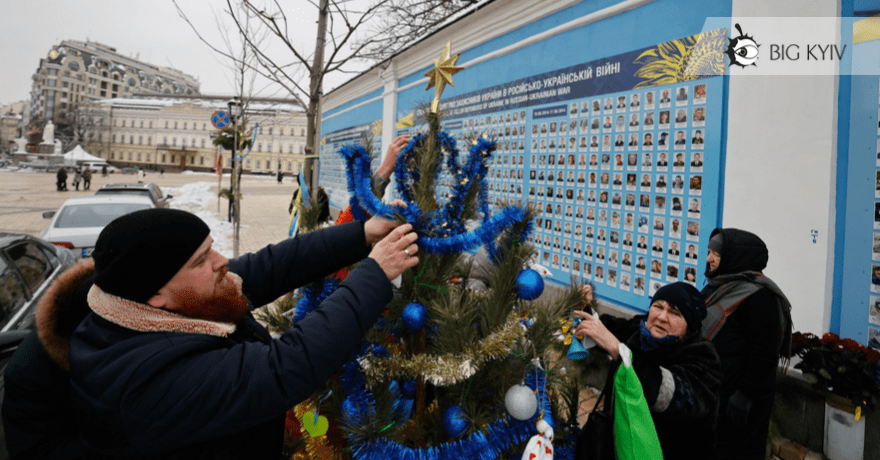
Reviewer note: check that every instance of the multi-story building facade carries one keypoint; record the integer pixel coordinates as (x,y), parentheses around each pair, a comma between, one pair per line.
(10,121)
(172,134)
(77,73)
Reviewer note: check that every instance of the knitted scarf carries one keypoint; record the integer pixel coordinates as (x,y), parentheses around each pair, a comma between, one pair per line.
(651,343)
(731,290)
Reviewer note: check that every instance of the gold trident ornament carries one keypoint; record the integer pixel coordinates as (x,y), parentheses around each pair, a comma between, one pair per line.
(441,74)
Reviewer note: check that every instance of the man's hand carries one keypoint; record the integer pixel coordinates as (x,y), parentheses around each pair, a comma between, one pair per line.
(387,167)
(396,252)
(377,227)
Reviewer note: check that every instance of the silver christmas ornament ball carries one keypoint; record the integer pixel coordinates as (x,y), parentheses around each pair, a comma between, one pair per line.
(521,402)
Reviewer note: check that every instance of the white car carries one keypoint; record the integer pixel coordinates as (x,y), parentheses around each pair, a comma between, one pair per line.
(78,222)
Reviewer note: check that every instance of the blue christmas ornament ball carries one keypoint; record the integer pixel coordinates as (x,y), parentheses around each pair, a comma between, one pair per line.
(414,316)
(455,421)
(529,284)
(350,408)
(409,389)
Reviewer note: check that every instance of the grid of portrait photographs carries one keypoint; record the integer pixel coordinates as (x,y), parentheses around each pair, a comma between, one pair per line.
(874,305)
(331,171)
(618,181)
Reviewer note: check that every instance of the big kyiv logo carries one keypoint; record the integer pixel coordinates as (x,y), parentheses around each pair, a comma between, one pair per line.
(743,51)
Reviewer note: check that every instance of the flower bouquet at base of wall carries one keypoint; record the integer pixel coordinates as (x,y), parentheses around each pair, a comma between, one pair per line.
(841,367)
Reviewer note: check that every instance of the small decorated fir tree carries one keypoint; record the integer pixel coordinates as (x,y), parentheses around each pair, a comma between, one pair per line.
(447,372)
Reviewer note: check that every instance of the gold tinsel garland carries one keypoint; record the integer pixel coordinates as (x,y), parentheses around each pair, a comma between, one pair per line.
(450,368)
(315,447)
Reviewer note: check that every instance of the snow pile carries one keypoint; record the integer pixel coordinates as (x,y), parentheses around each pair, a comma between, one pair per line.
(195,198)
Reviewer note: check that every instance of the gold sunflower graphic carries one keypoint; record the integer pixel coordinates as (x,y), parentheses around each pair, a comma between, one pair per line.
(681,60)
(377,128)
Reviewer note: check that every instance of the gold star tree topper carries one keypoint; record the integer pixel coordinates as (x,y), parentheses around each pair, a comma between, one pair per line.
(441,74)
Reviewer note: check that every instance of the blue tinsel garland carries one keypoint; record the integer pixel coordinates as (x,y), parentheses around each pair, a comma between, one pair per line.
(444,233)
(486,444)
(314,294)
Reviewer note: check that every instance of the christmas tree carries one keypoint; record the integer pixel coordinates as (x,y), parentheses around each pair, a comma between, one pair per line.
(448,372)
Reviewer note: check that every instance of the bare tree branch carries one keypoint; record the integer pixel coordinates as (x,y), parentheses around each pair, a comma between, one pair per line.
(347,36)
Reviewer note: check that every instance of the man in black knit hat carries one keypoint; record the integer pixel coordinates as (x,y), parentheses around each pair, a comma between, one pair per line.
(171,364)
(749,322)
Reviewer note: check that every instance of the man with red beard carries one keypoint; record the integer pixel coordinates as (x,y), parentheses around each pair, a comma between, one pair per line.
(171,364)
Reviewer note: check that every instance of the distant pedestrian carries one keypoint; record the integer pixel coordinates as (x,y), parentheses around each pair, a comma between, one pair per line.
(77,176)
(104,170)
(61,179)
(279,177)
(162,172)
(87,178)
(141,174)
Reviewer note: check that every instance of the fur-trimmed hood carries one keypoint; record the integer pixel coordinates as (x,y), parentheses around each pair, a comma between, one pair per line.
(49,308)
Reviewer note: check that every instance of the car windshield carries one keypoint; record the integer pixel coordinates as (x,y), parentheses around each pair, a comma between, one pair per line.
(115,191)
(94,215)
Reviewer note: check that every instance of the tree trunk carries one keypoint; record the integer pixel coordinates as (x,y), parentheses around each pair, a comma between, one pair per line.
(315,92)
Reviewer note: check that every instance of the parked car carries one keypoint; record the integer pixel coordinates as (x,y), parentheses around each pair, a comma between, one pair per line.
(78,222)
(149,189)
(98,166)
(27,266)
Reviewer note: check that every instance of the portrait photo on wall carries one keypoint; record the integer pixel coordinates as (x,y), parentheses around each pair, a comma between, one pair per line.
(655,286)
(874,310)
(639,285)
(875,278)
(697,140)
(690,275)
(877,215)
(681,118)
(878,151)
(699,117)
(874,338)
(649,100)
(875,248)
(681,95)
(663,123)
(693,230)
(665,99)
(700,93)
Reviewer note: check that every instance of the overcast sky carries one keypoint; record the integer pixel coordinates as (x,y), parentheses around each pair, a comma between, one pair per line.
(151,31)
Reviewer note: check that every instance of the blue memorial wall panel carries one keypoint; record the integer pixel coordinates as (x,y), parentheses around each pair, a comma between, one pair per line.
(623,170)
(649,24)
(857,288)
(627,217)
(331,174)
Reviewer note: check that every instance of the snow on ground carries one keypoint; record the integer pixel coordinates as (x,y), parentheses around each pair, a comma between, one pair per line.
(195,198)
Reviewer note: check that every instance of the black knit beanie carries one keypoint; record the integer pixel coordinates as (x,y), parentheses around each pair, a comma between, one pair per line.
(138,253)
(687,300)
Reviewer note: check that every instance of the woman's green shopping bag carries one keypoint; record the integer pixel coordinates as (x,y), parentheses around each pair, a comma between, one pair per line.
(635,437)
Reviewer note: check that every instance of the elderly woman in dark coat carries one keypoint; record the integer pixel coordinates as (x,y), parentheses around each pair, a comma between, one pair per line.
(679,370)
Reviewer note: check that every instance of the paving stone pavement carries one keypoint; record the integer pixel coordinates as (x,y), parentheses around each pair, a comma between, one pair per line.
(25,196)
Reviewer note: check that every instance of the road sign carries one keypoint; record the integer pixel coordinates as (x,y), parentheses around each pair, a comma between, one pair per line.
(220,119)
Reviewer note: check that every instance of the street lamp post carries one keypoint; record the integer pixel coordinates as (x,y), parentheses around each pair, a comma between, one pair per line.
(235,183)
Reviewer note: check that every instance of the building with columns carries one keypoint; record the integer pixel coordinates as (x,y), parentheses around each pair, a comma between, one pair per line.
(176,133)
